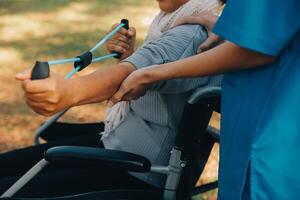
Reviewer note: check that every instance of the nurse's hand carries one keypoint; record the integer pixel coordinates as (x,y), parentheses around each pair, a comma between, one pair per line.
(47,96)
(133,87)
(208,20)
(123,41)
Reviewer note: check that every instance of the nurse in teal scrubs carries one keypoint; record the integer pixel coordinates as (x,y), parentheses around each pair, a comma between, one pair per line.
(260,155)
(260,127)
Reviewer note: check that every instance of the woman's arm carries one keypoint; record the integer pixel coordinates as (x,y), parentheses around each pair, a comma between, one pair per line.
(54,94)
(224,58)
(100,85)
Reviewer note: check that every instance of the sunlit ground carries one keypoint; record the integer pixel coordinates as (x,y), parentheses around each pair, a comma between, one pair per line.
(33,30)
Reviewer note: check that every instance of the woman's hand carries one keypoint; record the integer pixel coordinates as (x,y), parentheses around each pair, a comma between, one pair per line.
(47,96)
(123,41)
(208,20)
(133,87)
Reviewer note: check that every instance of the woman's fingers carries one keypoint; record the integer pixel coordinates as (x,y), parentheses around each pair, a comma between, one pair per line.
(133,87)
(113,47)
(134,95)
(112,42)
(120,37)
(118,96)
(212,41)
(23,75)
(116,45)
(127,94)
(43,97)
(38,86)
(43,108)
(113,27)
(47,96)
(123,31)
(131,33)
(32,87)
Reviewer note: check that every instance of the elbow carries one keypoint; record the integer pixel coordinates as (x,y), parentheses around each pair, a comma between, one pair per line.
(254,59)
(270,59)
(261,60)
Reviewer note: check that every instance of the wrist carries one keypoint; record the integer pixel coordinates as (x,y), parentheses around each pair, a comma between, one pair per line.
(149,75)
(71,93)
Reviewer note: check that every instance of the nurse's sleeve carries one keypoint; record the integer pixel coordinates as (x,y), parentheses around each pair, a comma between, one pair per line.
(265,26)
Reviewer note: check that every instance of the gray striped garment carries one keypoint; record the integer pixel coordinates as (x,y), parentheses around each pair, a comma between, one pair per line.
(151,124)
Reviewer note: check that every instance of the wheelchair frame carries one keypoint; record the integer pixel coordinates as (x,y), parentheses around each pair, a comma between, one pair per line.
(180,181)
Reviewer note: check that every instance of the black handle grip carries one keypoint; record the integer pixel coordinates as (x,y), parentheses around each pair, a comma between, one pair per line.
(126,26)
(126,23)
(85,60)
(40,70)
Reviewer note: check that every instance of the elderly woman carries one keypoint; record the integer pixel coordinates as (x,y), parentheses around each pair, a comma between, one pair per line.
(259,152)
(146,126)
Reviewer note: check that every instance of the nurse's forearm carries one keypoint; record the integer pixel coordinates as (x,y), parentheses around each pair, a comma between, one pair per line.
(224,58)
(100,85)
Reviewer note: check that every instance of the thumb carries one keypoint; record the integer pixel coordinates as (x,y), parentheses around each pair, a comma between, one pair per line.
(23,75)
(117,97)
(113,100)
(114,26)
(131,32)
(204,46)
(210,42)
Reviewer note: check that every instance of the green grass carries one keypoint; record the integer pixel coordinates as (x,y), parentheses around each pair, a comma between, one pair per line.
(29,6)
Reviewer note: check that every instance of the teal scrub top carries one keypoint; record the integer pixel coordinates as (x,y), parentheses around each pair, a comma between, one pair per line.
(260,127)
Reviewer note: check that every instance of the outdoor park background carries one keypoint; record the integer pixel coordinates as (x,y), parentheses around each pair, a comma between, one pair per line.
(33,30)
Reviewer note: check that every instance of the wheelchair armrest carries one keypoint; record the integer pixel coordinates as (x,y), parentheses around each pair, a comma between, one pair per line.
(202,93)
(95,157)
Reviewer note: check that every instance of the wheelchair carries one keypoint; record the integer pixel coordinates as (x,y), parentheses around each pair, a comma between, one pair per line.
(193,144)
